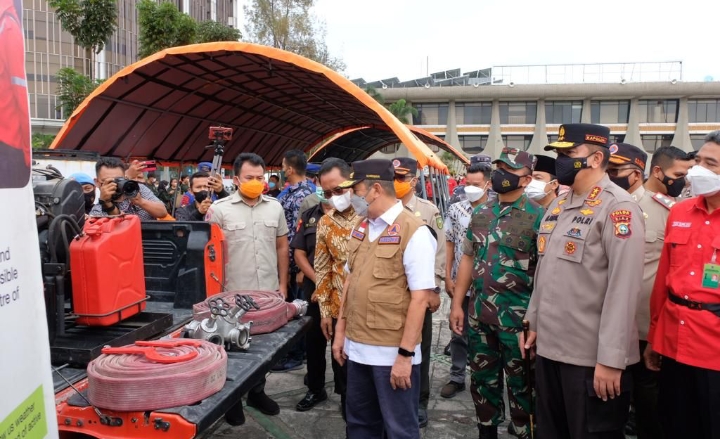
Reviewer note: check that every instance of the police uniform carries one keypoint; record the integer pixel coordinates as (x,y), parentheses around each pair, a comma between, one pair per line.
(388,264)
(588,280)
(501,240)
(656,209)
(430,215)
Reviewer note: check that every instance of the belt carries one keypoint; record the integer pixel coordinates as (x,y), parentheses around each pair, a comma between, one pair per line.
(699,306)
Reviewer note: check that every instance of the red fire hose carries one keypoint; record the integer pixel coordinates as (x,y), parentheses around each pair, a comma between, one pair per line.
(156,375)
(274,312)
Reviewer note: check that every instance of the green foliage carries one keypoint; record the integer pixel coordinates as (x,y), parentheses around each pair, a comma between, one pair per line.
(401,109)
(372,91)
(42,141)
(73,88)
(209,31)
(162,26)
(289,25)
(90,22)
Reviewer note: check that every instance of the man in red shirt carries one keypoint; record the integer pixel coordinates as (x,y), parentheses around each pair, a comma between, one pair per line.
(685,307)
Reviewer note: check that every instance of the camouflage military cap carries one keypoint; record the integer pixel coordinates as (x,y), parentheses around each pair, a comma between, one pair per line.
(517,159)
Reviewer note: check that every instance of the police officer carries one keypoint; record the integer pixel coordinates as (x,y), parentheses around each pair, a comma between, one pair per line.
(499,258)
(626,169)
(389,288)
(405,180)
(587,285)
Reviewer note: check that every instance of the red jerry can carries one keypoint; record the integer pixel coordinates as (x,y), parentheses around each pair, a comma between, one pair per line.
(108,278)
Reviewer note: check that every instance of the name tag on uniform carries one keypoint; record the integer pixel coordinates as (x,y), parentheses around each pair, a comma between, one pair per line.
(711,276)
(358,235)
(389,240)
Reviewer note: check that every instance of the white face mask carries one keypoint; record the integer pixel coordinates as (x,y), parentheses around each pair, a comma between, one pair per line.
(474,193)
(703,181)
(536,190)
(341,202)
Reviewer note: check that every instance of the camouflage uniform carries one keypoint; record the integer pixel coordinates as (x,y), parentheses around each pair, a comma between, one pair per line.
(502,240)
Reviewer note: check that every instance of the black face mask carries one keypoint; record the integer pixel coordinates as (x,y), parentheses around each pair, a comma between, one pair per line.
(201,196)
(674,186)
(623,182)
(567,168)
(504,182)
(89,201)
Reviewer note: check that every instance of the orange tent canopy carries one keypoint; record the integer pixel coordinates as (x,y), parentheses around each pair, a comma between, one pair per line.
(162,107)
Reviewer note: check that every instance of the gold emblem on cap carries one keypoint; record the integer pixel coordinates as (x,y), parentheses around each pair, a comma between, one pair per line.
(561,134)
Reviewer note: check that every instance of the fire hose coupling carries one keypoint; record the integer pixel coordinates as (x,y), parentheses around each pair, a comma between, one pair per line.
(223,327)
(301,306)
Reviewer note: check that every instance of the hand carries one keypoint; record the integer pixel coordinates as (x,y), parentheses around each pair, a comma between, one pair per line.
(400,373)
(339,344)
(434,302)
(653,360)
(528,344)
(283,291)
(215,184)
(457,318)
(314,297)
(134,170)
(137,200)
(204,206)
(449,285)
(326,324)
(607,382)
(107,189)
(299,277)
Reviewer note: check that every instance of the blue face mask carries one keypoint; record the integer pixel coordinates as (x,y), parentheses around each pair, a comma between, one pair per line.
(271,185)
(321,194)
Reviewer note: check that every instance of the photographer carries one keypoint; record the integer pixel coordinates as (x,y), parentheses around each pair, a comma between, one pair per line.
(200,188)
(213,185)
(121,195)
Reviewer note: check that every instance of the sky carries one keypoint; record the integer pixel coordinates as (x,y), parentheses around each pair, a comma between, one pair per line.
(381,39)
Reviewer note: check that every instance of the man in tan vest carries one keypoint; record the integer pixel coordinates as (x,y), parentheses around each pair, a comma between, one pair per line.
(390,283)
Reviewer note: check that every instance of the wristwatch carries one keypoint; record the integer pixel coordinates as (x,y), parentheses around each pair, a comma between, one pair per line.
(405,352)
(103,205)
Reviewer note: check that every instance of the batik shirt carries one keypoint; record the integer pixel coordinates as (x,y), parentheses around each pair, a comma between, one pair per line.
(456,225)
(502,239)
(331,254)
(291,201)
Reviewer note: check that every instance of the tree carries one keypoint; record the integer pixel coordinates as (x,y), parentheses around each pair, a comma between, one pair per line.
(401,109)
(209,31)
(90,22)
(372,91)
(289,25)
(73,88)
(42,141)
(162,25)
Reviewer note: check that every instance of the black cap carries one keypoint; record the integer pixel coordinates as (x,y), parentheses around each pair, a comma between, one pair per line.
(625,153)
(405,166)
(573,134)
(545,164)
(371,169)
(480,158)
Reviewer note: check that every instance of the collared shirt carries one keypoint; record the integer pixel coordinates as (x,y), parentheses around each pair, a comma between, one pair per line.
(419,271)
(330,257)
(655,213)
(251,233)
(501,238)
(127,207)
(456,225)
(430,215)
(692,239)
(589,277)
(290,200)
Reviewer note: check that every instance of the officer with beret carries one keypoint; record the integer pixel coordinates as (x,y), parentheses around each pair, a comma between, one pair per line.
(389,288)
(405,179)
(499,259)
(544,186)
(587,285)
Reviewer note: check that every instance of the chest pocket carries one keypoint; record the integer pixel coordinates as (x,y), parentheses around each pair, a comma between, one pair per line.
(266,230)
(235,232)
(515,249)
(679,248)
(571,248)
(387,265)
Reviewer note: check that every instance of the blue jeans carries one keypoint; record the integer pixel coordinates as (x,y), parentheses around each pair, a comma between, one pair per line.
(373,407)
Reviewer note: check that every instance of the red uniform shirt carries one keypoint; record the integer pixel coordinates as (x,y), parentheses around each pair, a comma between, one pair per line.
(688,336)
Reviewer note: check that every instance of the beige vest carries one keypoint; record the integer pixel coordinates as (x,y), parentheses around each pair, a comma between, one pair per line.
(378,294)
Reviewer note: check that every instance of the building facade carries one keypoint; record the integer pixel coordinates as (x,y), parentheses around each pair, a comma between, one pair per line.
(48,48)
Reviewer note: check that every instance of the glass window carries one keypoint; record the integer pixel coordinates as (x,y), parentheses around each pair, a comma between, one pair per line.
(705,110)
(473,144)
(563,111)
(518,113)
(431,114)
(697,140)
(517,141)
(473,113)
(651,142)
(658,111)
(609,111)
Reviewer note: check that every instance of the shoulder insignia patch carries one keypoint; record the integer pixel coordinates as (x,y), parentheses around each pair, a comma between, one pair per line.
(541,244)
(664,200)
(621,220)
(594,193)
(439,222)
(561,202)
(389,240)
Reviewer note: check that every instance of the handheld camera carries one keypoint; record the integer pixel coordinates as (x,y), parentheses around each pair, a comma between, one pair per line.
(128,188)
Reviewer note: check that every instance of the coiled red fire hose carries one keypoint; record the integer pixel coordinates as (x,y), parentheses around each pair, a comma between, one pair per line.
(156,374)
(274,312)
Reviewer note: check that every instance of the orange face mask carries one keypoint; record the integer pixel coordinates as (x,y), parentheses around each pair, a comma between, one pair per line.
(402,188)
(252,189)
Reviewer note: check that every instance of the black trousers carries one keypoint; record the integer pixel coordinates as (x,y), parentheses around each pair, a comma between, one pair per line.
(689,401)
(316,348)
(425,346)
(567,407)
(645,400)
(296,291)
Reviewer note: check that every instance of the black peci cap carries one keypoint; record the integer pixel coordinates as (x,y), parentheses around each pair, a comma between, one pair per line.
(545,164)
(371,169)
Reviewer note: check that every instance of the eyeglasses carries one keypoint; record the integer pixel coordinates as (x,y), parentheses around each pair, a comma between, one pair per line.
(336,191)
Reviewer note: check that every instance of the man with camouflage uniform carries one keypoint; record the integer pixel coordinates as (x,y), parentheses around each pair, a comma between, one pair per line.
(499,257)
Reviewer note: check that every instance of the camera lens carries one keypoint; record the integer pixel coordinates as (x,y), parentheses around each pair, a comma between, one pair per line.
(128,188)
